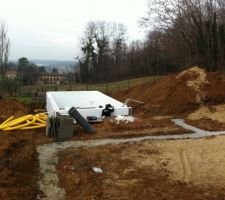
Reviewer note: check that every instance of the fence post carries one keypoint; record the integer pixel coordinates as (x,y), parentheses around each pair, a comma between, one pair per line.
(30,91)
(128,83)
(106,88)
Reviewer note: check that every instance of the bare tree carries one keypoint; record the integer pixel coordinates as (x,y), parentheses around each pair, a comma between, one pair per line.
(118,44)
(193,29)
(88,58)
(96,51)
(4,50)
(103,36)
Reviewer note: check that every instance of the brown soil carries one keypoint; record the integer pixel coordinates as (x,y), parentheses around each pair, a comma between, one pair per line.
(18,157)
(19,165)
(177,94)
(139,171)
(188,169)
(11,107)
(143,125)
(211,118)
(207,124)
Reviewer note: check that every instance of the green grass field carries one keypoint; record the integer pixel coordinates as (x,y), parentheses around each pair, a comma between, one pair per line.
(109,87)
(27,94)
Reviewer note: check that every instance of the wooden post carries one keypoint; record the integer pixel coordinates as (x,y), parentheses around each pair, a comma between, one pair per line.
(106,87)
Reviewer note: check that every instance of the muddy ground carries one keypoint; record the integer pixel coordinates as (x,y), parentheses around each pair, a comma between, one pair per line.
(19,165)
(19,160)
(130,171)
(143,125)
(176,169)
(210,118)
(207,124)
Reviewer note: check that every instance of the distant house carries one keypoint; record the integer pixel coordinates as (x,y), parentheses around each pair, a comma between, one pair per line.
(10,73)
(51,78)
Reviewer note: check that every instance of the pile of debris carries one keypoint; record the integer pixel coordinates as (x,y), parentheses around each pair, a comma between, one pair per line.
(179,93)
(196,79)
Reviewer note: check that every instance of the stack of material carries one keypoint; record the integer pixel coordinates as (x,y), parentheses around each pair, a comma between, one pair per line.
(24,123)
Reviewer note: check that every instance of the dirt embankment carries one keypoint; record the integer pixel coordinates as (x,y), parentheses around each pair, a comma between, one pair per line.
(11,107)
(179,93)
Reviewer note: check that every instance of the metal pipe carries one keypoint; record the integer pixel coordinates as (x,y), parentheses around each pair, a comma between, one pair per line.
(128,99)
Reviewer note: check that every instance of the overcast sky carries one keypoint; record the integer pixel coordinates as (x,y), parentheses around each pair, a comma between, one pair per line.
(51,29)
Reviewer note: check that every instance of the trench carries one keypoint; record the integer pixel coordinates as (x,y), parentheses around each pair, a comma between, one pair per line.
(48,155)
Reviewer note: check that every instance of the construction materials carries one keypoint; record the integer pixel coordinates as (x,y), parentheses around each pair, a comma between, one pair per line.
(108,110)
(125,119)
(60,127)
(87,103)
(134,100)
(81,120)
(94,119)
(24,123)
(82,106)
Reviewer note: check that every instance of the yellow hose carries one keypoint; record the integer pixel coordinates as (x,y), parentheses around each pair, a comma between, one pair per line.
(35,123)
(17,121)
(40,120)
(19,126)
(26,122)
(42,116)
(7,120)
(33,127)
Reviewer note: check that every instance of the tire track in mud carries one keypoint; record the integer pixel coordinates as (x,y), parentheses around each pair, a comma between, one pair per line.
(186,166)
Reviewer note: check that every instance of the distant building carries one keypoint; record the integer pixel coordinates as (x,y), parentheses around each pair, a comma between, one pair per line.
(51,78)
(10,73)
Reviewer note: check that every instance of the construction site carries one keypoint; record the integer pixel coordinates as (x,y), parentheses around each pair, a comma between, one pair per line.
(158,140)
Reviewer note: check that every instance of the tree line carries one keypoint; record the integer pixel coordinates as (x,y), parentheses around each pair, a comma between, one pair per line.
(179,34)
(27,73)
(188,32)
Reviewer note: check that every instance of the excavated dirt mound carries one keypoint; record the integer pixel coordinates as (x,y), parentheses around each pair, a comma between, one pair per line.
(10,107)
(178,93)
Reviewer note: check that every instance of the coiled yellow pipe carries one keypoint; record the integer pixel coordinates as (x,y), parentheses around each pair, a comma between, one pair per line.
(7,120)
(16,121)
(26,122)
